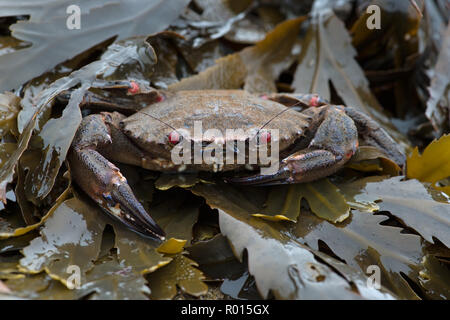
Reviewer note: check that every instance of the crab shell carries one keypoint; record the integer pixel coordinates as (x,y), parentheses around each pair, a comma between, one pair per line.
(223,110)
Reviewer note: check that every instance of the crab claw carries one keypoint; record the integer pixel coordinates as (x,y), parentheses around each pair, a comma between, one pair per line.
(122,204)
(335,142)
(302,166)
(104,183)
(102,180)
(280,177)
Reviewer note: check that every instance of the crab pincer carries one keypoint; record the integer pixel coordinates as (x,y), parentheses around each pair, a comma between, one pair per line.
(334,142)
(102,180)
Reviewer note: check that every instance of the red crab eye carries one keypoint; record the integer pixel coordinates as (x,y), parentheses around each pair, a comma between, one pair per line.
(314,102)
(174,137)
(349,154)
(134,88)
(264,137)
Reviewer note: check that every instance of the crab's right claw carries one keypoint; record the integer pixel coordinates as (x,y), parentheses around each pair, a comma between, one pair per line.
(104,183)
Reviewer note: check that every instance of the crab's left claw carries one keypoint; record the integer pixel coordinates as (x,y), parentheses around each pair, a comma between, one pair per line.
(334,143)
(302,166)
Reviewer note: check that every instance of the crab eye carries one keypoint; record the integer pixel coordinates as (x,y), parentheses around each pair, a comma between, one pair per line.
(134,88)
(314,102)
(174,137)
(160,98)
(264,137)
(349,154)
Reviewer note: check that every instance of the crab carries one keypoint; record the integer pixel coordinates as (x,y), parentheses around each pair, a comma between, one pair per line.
(313,143)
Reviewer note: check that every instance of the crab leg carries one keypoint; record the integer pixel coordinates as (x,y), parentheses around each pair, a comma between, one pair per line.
(374,135)
(305,100)
(101,179)
(123,96)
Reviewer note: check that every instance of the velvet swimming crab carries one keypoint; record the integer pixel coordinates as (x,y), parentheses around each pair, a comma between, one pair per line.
(312,143)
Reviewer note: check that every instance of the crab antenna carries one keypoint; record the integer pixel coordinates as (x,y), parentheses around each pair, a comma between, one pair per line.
(274,117)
